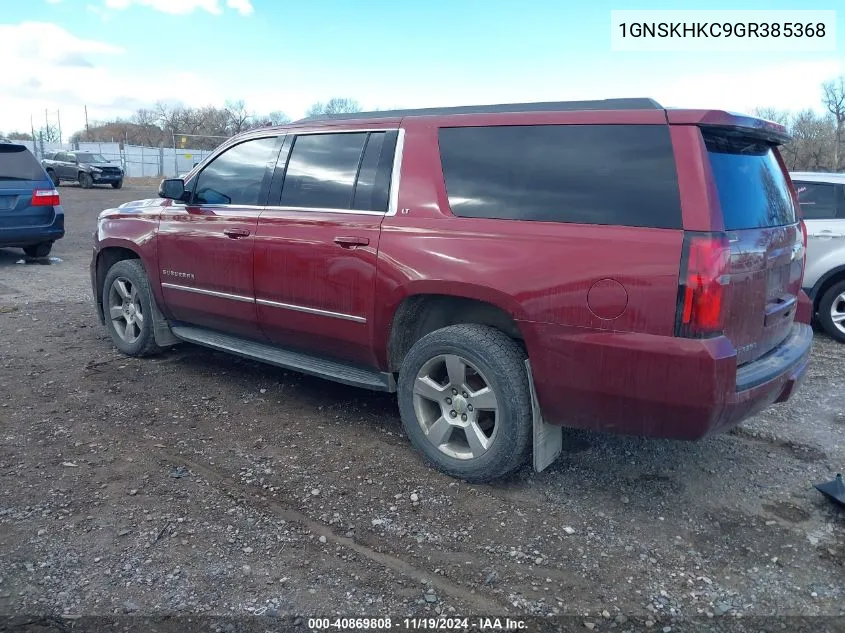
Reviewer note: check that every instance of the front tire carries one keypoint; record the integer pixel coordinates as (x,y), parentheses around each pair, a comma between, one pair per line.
(128,308)
(832,311)
(117,185)
(465,402)
(38,250)
(85,180)
(53,177)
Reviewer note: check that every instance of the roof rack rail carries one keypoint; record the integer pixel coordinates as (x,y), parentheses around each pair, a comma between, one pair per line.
(543,106)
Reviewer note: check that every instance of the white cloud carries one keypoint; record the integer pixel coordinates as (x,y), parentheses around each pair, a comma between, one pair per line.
(53,1)
(244,7)
(183,7)
(45,67)
(43,42)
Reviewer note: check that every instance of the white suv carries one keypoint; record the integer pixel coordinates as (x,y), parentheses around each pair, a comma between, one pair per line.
(822,198)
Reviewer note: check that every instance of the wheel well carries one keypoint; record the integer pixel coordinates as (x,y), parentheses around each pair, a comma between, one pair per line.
(419,315)
(827,283)
(107,258)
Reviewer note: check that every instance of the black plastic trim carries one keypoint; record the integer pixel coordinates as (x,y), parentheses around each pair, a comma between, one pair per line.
(790,353)
(543,106)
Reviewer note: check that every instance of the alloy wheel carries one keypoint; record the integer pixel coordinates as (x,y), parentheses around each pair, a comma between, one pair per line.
(456,406)
(837,312)
(125,312)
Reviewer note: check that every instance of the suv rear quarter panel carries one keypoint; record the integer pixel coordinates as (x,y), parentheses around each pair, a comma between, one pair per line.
(542,274)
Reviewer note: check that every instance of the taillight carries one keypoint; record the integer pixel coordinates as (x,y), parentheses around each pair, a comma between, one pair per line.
(705,263)
(45,198)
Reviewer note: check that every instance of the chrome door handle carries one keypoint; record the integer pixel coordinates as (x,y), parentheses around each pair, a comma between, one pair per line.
(236,233)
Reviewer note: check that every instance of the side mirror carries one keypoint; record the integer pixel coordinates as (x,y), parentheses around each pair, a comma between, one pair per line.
(173,188)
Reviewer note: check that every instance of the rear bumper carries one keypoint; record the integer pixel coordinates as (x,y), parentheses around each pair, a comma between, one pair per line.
(657,386)
(30,235)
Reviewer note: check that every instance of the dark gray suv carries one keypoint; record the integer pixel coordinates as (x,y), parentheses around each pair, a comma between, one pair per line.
(86,168)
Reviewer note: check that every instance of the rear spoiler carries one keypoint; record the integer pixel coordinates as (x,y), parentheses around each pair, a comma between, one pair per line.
(738,124)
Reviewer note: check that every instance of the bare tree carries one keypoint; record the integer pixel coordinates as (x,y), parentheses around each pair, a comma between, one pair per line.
(201,128)
(834,100)
(147,131)
(813,140)
(774,115)
(238,116)
(278,118)
(336,105)
(18,136)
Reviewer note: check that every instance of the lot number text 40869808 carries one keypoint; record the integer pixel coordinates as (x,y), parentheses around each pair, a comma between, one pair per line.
(425,624)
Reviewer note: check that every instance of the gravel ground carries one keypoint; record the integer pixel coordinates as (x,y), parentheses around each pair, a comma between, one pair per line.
(198,483)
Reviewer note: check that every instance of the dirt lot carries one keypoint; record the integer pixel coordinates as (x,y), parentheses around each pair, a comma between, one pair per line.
(199,483)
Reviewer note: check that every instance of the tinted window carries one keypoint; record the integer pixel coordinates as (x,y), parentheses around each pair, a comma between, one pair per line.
(91,158)
(753,192)
(321,171)
(594,174)
(818,201)
(236,175)
(372,189)
(18,163)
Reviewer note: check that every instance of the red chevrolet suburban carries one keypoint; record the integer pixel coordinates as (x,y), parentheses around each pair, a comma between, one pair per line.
(507,270)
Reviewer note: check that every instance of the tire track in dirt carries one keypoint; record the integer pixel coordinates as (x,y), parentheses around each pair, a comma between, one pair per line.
(481,603)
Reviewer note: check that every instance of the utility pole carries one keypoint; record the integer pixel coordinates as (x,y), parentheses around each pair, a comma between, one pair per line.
(32,129)
(59,120)
(87,129)
(47,123)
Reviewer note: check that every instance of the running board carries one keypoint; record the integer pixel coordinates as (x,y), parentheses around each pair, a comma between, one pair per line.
(288,359)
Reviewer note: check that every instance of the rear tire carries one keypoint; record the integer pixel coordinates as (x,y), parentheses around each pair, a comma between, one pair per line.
(85,180)
(127,308)
(38,250)
(465,402)
(53,177)
(832,311)
(117,185)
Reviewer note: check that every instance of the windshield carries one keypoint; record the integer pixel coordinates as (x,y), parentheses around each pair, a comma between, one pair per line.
(90,158)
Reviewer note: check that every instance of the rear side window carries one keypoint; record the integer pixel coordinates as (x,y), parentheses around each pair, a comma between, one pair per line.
(18,163)
(818,200)
(592,174)
(753,191)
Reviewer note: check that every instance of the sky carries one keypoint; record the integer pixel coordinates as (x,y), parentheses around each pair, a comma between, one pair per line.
(119,55)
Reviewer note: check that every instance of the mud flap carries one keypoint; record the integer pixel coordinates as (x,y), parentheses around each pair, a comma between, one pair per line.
(161,328)
(548,438)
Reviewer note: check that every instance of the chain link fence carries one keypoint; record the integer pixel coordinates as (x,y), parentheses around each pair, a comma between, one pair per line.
(137,161)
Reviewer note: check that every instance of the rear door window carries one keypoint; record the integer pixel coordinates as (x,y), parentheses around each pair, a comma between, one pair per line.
(591,174)
(322,169)
(18,163)
(753,191)
(818,200)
